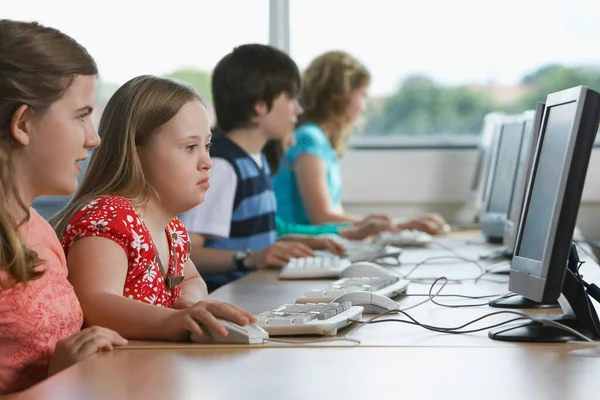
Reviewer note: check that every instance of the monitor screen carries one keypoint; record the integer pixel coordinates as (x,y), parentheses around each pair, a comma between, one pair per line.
(546,185)
(506,166)
(520,174)
(490,128)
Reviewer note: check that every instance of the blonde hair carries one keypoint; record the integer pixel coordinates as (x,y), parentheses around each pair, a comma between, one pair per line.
(131,117)
(327,85)
(37,65)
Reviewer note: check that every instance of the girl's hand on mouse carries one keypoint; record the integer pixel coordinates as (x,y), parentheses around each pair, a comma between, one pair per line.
(203,316)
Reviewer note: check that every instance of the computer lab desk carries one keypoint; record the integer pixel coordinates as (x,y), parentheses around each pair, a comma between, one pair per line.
(392,359)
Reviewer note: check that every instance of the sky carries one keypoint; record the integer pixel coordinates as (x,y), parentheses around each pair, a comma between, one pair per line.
(454,42)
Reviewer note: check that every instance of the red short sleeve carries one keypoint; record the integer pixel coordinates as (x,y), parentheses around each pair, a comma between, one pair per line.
(114,218)
(108,217)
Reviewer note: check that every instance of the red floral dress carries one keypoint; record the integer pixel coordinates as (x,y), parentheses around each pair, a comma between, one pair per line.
(114,218)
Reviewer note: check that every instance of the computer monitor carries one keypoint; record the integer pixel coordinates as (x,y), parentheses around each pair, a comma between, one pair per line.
(543,256)
(530,140)
(469,214)
(505,158)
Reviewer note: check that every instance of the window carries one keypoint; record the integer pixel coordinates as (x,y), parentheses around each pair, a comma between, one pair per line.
(174,38)
(438,67)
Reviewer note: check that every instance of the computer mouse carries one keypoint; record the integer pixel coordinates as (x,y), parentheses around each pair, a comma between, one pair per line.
(238,334)
(372,303)
(366,269)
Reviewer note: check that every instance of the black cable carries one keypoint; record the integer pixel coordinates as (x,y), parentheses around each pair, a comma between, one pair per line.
(595,245)
(432,297)
(456,330)
(462,296)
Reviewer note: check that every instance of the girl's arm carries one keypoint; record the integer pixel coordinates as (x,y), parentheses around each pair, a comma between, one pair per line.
(311,178)
(193,287)
(287,230)
(97,271)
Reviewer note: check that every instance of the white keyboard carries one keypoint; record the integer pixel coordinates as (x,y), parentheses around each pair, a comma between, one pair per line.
(404,238)
(385,286)
(308,319)
(357,250)
(372,253)
(314,267)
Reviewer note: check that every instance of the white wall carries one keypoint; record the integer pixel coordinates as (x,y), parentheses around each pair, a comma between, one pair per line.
(404,182)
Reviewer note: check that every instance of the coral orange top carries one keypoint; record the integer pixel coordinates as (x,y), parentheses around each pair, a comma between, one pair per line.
(34,317)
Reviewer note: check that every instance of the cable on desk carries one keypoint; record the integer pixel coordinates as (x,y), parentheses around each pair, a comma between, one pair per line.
(432,297)
(591,243)
(458,257)
(457,330)
(462,296)
(590,289)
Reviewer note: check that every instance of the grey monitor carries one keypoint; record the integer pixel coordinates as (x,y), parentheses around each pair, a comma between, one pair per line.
(553,195)
(530,140)
(505,157)
(470,212)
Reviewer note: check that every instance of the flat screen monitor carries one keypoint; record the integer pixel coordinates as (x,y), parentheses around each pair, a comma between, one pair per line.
(530,140)
(506,153)
(470,212)
(553,196)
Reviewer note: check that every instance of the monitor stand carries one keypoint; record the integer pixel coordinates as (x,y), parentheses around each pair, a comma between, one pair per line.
(517,301)
(579,314)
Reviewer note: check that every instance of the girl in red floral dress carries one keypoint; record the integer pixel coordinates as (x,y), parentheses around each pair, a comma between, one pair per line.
(127,251)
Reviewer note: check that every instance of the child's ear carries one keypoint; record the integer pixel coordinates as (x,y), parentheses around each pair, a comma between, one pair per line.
(21,124)
(260,108)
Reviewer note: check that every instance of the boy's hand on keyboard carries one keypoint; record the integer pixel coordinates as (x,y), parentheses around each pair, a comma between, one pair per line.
(203,315)
(278,254)
(431,223)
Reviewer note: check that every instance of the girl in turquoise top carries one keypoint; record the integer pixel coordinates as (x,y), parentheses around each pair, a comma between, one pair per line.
(274,150)
(308,186)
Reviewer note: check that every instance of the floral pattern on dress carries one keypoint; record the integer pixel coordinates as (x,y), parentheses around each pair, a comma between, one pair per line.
(115,218)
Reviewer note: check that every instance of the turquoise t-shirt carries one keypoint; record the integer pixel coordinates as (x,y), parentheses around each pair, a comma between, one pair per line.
(310,139)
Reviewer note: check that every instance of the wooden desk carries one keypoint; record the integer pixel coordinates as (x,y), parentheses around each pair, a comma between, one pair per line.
(263,290)
(528,372)
(393,359)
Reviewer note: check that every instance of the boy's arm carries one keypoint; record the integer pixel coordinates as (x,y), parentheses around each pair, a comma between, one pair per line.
(210,261)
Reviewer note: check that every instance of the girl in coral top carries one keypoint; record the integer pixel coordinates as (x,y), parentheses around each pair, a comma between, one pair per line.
(127,251)
(47,91)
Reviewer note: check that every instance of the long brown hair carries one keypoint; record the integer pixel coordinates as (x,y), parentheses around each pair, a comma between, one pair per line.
(131,116)
(327,85)
(37,65)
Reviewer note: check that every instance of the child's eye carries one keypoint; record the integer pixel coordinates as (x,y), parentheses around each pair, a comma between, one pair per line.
(82,117)
(208,146)
(191,147)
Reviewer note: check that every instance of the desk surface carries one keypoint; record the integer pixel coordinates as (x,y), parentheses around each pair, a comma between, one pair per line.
(263,290)
(330,373)
(392,358)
